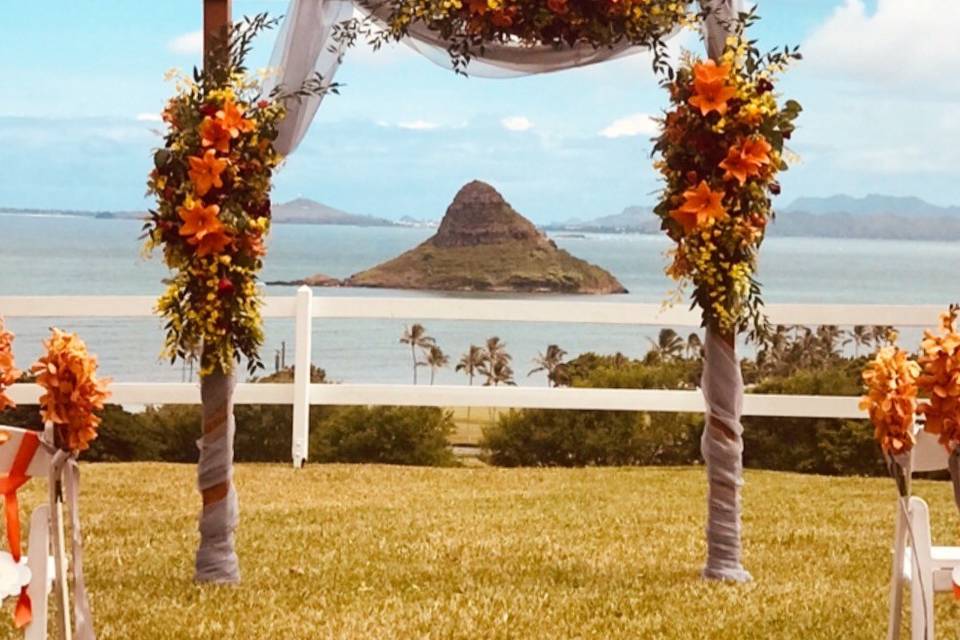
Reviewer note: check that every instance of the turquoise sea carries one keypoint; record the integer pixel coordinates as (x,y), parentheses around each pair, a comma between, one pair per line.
(46,255)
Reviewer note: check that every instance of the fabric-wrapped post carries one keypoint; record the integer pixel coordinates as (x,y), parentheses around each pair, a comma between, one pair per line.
(216,557)
(722,441)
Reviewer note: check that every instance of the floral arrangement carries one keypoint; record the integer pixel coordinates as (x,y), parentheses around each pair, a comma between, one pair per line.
(467,25)
(939,380)
(720,149)
(890,380)
(8,370)
(212,183)
(72,391)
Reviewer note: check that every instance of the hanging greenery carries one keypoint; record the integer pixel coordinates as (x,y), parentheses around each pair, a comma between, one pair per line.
(720,149)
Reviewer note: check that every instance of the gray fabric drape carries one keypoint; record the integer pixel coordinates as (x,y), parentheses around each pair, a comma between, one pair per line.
(722,448)
(216,557)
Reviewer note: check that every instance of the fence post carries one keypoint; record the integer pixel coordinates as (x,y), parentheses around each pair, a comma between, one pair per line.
(301,376)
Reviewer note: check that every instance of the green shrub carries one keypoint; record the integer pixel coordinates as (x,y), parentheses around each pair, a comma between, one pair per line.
(389,435)
(821,445)
(540,437)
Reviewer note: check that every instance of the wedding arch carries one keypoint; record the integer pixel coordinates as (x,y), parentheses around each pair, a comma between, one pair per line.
(488,38)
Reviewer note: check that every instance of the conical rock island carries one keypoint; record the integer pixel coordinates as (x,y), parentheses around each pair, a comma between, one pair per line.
(483,244)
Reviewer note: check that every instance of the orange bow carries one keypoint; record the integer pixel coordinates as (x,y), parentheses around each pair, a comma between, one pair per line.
(8,487)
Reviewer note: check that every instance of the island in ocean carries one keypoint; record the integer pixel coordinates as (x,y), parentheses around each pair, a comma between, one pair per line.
(483,244)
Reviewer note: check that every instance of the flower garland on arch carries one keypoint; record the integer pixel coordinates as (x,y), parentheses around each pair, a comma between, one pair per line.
(212,181)
(720,149)
(468,25)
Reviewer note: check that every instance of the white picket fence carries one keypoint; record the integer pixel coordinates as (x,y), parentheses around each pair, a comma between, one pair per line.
(304,307)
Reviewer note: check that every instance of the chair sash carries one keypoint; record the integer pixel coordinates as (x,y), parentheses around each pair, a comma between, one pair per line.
(9,484)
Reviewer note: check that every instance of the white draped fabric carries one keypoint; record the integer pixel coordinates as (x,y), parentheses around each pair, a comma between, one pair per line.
(305,47)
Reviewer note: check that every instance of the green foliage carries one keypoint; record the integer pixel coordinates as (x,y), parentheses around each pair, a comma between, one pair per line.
(578,438)
(388,435)
(538,437)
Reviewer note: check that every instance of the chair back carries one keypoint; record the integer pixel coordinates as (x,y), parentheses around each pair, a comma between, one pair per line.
(928,454)
(40,464)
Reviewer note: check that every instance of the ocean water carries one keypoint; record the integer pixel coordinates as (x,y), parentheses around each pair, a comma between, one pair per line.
(45,255)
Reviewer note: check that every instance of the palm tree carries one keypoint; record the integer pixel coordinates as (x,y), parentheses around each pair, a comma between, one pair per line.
(471,361)
(500,373)
(551,362)
(668,346)
(829,335)
(860,337)
(496,361)
(694,346)
(883,335)
(436,359)
(416,336)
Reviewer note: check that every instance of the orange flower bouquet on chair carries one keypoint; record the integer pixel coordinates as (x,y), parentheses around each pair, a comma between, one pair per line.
(72,395)
(72,391)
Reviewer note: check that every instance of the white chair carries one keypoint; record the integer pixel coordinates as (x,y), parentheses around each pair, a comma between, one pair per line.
(35,569)
(925,568)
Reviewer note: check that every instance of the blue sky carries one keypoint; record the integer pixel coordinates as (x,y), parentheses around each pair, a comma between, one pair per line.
(83,79)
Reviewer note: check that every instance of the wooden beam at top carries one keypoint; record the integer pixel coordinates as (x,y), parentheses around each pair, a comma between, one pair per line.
(216,19)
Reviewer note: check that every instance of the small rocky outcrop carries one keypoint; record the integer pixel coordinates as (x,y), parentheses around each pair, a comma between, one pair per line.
(483,244)
(316,280)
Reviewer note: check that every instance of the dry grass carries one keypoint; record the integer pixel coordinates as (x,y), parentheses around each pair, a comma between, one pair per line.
(470,423)
(389,552)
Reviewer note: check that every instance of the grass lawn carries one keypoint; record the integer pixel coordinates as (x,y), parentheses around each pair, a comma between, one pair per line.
(470,423)
(390,552)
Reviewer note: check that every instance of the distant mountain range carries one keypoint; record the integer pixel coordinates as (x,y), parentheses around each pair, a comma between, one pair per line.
(297,211)
(839,216)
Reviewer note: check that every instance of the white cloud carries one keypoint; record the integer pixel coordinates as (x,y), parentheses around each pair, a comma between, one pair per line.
(418,125)
(149,117)
(634,125)
(187,44)
(901,42)
(516,123)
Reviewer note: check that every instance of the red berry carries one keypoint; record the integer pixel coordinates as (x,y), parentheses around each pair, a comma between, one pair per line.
(225,287)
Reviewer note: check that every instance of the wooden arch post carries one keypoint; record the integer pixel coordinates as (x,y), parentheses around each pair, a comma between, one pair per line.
(216,560)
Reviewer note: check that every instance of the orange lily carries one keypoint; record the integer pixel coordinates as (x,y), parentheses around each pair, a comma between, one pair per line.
(205,171)
(744,161)
(211,243)
(711,91)
(232,120)
(701,206)
(213,134)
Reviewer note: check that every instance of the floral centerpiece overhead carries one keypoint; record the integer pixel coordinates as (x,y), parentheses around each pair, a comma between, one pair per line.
(720,149)
(467,26)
